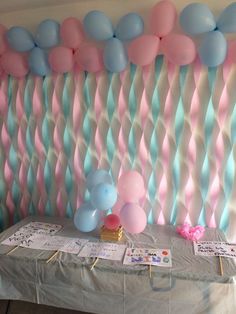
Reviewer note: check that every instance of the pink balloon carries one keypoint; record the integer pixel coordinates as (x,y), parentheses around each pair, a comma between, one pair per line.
(89,58)
(178,49)
(72,32)
(162,19)
(144,49)
(133,218)
(112,222)
(14,63)
(61,59)
(3,42)
(131,186)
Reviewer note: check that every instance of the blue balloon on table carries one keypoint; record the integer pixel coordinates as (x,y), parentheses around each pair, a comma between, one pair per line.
(96,177)
(86,218)
(226,22)
(103,196)
(20,39)
(98,26)
(213,49)
(38,62)
(48,34)
(115,56)
(196,18)
(129,27)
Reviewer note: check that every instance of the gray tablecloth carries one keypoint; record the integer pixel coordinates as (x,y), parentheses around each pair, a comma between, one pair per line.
(192,285)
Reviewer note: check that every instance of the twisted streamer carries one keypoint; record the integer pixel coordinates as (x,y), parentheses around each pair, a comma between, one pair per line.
(177,158)
(153,144)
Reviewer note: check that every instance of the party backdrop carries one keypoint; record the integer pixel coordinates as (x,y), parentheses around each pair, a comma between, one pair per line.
(175,125)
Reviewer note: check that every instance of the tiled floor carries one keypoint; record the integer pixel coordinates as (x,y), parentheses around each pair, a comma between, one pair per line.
(19,307)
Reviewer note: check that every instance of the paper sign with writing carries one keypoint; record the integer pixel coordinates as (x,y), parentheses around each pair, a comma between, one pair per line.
(111,251)
(54,243)
(145,256)
(213,248)
(22,235)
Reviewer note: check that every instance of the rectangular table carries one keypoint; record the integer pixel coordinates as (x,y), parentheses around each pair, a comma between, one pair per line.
(193,285)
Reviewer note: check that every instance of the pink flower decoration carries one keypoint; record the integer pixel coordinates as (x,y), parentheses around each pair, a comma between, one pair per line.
(191,233)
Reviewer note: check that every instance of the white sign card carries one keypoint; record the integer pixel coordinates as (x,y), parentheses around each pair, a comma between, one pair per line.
(55,243)
(22,235)
(111,251)
(146,256)
(213,248)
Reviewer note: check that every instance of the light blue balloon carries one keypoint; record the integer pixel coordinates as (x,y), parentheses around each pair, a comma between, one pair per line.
(48,34)
(38,62)
(115,56)
(20,39)
(196,18)
(103,196)
(98,26)
(86,218)
(213,49)
(129,27)
(227,20)
(97,176)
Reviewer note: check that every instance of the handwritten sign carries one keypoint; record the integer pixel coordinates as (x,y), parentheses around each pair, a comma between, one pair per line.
(111,251)
(145,256)
(213,248)
(55,243)
(23,235)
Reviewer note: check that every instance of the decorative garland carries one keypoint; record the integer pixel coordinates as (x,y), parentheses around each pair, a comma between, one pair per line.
(66,47)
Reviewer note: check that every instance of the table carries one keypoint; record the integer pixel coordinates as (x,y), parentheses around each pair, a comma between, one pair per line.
(192,286)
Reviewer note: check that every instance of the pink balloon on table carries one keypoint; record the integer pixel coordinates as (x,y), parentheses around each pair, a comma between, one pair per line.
(14,63)
(89,58)
(178,49)
(112,222)
(163,17)
(143,50)
(131,186)
(3,42)
(72,32)
(61,59)
(133,218)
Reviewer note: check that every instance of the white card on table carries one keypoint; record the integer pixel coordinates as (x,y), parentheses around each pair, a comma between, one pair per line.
(146,256)
(110,251)
(22,235)
(214,248)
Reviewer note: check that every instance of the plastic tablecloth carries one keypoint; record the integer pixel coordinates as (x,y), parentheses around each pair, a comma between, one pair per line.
(193,284)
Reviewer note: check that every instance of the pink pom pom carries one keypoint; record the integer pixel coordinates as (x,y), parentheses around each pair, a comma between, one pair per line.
(61,59)
(15,64)
(191,233)
(89,58)
(112,222)
(72,33)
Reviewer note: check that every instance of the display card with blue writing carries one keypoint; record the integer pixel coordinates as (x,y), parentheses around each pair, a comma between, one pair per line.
(146,256)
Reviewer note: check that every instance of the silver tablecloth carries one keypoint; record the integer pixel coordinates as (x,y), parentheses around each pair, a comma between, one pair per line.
(192,286)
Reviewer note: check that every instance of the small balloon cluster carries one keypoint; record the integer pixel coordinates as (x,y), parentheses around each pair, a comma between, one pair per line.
(103,196)
(197,19)
(63,48)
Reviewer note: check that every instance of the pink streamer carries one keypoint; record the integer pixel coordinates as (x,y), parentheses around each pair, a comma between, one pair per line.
(36,100)
(8,174)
